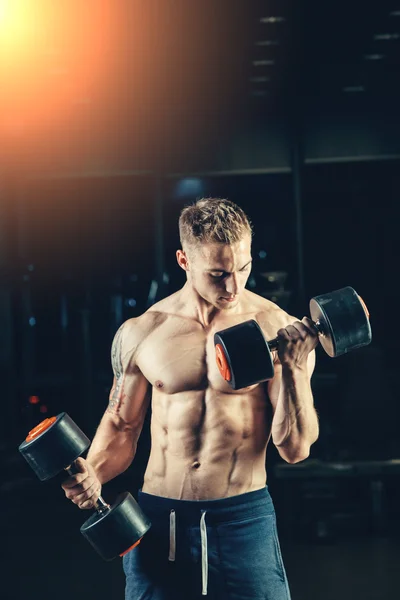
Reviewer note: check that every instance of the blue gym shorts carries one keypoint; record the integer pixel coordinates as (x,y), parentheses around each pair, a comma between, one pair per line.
(225,549)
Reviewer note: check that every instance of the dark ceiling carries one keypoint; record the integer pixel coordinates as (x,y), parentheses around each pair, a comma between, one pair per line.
(223,57)
(211,63)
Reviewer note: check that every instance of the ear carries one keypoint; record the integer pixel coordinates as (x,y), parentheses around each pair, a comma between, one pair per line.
(183,260)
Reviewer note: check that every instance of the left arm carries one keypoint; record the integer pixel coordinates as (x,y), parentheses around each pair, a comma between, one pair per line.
(295,421)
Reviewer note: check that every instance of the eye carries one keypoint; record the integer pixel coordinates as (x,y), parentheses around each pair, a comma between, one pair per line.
(216,275)
(247,268)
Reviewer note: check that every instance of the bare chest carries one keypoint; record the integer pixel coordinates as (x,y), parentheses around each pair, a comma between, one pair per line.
(179,361)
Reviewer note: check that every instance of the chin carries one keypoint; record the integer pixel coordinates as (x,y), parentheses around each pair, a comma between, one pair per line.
(232,305)
(228,305)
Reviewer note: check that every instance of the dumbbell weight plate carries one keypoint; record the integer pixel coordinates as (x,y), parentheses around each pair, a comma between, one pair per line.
(344,320)
(117,530)
(53,445)
(243,356)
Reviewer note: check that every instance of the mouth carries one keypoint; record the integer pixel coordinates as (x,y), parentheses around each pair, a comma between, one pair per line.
(228,299)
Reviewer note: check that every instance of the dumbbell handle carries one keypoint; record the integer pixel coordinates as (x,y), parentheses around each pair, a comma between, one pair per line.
(273,344)
(101,505)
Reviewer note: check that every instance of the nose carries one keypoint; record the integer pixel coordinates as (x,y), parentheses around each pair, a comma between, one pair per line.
(232,286)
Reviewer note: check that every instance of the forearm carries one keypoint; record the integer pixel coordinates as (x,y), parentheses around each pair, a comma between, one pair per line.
(295,423)
(113,448)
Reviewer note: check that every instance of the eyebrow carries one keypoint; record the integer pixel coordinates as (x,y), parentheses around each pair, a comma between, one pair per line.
(223,270)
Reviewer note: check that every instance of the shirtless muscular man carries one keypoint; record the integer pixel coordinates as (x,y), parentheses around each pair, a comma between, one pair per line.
(213,522)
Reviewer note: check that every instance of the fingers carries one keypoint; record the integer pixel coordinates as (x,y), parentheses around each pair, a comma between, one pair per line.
(300,330)
(309,323)
(296,341)
(89,497)
(80,473)
(74,480)
(80,465)
(293,333)
(82,488)
(72,490)
(86,494)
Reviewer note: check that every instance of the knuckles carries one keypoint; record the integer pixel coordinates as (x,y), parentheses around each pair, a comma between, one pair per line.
(78,478)
(87,504)
(83,488)
(84,496)
(88,500)
(282,333)
(298,331)
(80,488)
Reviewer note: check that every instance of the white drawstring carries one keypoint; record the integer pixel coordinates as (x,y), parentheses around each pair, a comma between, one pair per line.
(172,536)
(204,553)
(204,548)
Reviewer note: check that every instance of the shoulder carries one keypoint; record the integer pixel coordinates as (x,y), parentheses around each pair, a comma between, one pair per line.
(133,331)
(268,314)
(128,339)
(274,317)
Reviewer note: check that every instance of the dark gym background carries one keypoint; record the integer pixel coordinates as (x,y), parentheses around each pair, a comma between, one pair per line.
(113,116)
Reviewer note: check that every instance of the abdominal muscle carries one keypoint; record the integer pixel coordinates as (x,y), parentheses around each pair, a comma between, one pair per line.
(207,444)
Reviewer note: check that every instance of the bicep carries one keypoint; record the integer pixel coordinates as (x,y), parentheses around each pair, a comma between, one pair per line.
(129,398)
(130,393)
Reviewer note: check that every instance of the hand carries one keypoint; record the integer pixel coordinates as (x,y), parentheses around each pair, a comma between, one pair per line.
(296,341)
(84,488)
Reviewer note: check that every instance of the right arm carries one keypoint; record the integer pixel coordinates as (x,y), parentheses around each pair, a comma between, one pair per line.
(114,446)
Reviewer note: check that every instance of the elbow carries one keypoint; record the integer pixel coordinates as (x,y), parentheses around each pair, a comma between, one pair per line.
(122,431)
(294,455)
(120,425)
(298,458)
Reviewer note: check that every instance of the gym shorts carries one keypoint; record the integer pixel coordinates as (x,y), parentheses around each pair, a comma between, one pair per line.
(225,549)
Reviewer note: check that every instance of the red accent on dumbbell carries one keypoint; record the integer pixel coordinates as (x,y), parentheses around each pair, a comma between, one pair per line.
(131,548)
(39,429)
(222,363)
(364,306)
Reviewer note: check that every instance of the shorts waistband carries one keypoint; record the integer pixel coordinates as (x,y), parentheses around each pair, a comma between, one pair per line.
(219,510)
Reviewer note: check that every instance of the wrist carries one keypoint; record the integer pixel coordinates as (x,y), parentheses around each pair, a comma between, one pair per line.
(294,371)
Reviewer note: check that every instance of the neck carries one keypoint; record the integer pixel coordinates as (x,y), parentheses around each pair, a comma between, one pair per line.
(198,308)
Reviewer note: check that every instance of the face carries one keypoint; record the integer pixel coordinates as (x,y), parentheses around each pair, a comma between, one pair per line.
(219,272)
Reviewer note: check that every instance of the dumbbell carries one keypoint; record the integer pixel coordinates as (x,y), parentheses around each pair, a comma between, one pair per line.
(244,357)
(53,446)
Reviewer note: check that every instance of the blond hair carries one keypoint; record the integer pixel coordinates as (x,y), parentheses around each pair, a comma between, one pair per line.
(212,220)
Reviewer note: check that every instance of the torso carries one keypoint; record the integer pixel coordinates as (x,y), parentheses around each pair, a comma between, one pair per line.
(208,441)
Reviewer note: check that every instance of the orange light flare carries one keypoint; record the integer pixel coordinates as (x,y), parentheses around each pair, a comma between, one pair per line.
(56,57)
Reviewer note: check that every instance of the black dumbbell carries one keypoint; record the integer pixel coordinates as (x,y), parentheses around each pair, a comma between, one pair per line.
(53,446)
(244,357)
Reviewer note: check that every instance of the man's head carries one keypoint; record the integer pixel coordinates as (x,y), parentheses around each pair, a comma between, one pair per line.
(216,250)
